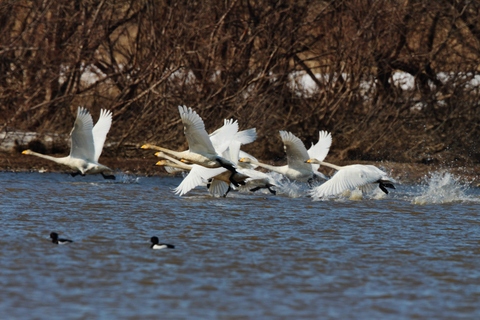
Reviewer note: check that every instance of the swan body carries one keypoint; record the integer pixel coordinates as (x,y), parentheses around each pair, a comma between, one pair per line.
(297,169)
(86,144)
(351,177)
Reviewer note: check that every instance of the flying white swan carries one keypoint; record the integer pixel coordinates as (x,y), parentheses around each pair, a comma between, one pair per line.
(201,150)
(86,144)
(351,177)
(218,141)
(297,169)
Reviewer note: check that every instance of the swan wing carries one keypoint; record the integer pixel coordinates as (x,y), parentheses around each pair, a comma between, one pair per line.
(257,175)
(246,136)
(197,176)
(320,150)
(296,152)
(81,136)
(348,178)
(100,131)
(222,137)
(232,152)
(194,129)
(218,188)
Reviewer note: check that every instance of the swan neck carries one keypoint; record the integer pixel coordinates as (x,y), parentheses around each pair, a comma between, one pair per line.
(170,152)
(264,165)
(330,165)
(173,160)
(178,165)
(44,156)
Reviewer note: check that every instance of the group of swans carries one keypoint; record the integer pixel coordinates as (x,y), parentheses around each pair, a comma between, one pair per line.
(211,158)
(216,159)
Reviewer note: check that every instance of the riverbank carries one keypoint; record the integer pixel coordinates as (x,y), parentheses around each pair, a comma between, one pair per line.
(407,173)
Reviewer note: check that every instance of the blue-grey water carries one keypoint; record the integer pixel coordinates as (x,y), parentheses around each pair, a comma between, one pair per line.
(414,254)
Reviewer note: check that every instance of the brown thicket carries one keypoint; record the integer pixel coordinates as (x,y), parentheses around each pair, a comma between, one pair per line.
(243,59)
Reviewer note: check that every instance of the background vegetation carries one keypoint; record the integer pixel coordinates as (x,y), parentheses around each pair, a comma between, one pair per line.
(243,59)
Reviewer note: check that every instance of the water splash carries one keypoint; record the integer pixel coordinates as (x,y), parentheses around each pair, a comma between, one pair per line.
(127,178)
(440,188)
(287,187)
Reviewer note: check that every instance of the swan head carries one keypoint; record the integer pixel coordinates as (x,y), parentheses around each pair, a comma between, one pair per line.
(146,146)
(161,163)
(246,160)
(160,154)
(27,152)
(313,161)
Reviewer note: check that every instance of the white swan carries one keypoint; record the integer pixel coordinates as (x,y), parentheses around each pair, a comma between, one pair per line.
(351,177)
(86,144)
(201,150)
(297,169)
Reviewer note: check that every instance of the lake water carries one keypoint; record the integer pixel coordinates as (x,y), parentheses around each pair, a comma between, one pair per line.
(414,254)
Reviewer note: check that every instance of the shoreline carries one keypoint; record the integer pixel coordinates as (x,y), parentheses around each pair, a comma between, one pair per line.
(403,173)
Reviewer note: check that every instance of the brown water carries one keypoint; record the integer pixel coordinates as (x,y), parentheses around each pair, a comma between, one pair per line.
(247,256)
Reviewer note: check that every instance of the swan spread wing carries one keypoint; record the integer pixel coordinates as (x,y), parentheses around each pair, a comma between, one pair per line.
(320,150)
(232,152)
(218,188)
(194,129)
(222,137)
(100,131)
(348,178)
(295,150)
(246,136)
(82,145)
(197,175)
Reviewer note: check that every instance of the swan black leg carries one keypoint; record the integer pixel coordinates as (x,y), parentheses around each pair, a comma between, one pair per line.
(228,190)
(384,185)
(268,186)
(383,188)
(109,177)
(255,189)
(271,190)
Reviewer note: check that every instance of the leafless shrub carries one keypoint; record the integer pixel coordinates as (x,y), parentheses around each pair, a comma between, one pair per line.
(247,60)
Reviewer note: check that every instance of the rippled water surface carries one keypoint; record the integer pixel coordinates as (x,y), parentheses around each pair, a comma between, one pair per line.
(414,254)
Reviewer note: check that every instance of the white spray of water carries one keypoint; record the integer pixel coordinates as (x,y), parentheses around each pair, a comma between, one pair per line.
(440,188)
(289,188)
(127,178)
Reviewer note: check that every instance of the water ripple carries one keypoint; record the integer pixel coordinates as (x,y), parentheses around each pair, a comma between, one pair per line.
(246,256)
